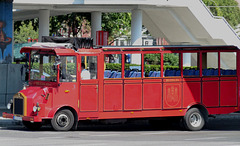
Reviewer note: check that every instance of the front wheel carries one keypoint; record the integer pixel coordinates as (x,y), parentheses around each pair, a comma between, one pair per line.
(63,120)
(194,119)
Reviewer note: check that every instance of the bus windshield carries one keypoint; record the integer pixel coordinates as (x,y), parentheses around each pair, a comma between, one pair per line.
(42,67)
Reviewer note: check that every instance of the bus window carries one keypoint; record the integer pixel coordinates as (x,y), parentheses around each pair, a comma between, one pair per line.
(112,66)
(190,64)
(210,64)
(133,65)
(88,67)
(68,69)
(152,65)
(171,64)
(228,63)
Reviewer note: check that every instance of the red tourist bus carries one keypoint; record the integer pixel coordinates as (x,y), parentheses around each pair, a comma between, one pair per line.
(66,86)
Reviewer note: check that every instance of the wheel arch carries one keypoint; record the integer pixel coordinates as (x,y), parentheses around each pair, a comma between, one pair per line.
(55,110)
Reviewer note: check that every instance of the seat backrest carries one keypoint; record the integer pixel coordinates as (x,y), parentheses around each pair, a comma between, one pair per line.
(133,74)
(113,74)
(127,73)
(107,73)
(191,72)
(150,73)
(185,72)
(178,72)
(215,72)
(158,74)
(139,74)
(118,75)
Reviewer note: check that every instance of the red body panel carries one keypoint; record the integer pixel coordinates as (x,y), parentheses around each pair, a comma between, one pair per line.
(89,98)
(191,93)
(113,97)
(210,93)
(228,93)
(152,95)
(133,96)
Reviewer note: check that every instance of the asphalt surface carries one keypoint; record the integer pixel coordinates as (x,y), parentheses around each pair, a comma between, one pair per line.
(221,131)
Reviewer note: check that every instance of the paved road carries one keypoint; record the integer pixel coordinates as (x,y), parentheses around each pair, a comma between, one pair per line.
(220,131)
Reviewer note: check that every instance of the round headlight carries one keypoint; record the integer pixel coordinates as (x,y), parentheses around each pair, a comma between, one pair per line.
(35,109)
(9,106)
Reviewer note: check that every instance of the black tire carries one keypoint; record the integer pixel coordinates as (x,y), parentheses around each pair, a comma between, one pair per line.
(63,120)
(194,120)
(32,126)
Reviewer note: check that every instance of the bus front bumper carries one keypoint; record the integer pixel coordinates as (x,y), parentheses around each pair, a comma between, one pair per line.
(24,118)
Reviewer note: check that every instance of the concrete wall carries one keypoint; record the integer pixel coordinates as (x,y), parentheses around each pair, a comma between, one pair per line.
(12,77)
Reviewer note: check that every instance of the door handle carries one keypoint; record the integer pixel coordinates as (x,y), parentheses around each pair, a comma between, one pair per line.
(96,88)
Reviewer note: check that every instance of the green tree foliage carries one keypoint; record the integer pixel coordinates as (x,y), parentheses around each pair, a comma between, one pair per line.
(25,31)
(169,59)
(226,8)
(74,22)
(152,58)
(116,24)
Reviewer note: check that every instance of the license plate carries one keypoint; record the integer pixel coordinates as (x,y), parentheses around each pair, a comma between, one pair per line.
(17,118)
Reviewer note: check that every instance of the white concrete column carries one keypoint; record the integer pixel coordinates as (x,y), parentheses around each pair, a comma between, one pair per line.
(43,23)
(136,33)
(136,27)
(187,59)
(96,22)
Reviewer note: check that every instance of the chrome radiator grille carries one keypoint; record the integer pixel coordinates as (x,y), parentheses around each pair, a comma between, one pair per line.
(18,106)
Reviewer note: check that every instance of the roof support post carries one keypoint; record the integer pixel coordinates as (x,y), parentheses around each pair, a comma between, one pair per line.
(96,21)
(136,27)
(43,23)
(136,33)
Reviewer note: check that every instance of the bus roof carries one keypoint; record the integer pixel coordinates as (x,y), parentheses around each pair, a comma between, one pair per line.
(172,48)
(62,50)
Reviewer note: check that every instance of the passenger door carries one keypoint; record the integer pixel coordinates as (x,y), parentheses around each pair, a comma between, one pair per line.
(89,83)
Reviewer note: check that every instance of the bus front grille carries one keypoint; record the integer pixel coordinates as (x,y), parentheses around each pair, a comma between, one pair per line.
(18,106)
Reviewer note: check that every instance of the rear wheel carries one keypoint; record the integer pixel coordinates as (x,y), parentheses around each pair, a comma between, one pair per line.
(194,119)
(63,120)
(32,126)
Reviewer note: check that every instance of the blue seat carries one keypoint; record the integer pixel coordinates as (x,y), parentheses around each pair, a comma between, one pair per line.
(158,74)
(178,73)
(197,72)
(234,72)
(133,74)
(127,73)
(191,72)
(107,73)
(228,72)
(170,72)
(139,74)
(185,72)
(150,73)
(207,72)
(204,72)
(118,75)
(153,74)
(113,74)
(215,72)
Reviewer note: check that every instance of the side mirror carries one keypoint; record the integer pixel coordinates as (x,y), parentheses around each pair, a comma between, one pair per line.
(57,61)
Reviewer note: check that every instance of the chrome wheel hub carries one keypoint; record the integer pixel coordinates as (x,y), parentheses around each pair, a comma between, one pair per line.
(195,119)
(63,120)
